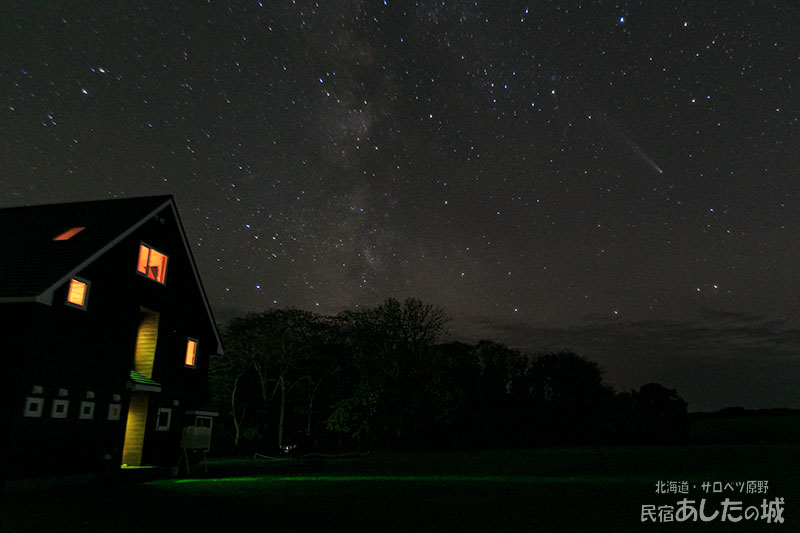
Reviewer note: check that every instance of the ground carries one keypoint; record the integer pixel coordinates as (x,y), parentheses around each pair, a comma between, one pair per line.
(547,489)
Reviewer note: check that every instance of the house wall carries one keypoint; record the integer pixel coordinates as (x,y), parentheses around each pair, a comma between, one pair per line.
(86,355)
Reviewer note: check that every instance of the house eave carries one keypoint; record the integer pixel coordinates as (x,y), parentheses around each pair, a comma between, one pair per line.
(45,297)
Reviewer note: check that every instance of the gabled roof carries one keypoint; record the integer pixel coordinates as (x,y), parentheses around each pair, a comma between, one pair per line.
(33,265)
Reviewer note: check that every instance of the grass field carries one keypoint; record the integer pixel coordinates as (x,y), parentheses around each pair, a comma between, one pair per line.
(555,489)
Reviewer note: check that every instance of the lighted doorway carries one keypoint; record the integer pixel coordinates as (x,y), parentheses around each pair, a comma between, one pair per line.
(146,340)
(134,430)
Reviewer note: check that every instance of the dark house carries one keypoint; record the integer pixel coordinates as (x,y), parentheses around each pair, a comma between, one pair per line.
(106,336)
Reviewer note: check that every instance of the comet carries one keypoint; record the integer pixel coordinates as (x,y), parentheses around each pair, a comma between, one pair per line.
(643,156)
(630,143)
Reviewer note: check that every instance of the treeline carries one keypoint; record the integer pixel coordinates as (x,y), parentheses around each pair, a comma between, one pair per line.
(383,378)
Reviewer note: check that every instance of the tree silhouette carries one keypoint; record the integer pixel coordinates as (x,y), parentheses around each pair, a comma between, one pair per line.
(391,355)
(273,350)
(653,414)
(380,377)
(569,397)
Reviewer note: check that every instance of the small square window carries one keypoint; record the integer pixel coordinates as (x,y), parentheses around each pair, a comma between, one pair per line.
(78,293)
(114,411)
(33,407)
(191,353)
(203,421)
(87,411)
(152,263)
(60,409)
(164,419)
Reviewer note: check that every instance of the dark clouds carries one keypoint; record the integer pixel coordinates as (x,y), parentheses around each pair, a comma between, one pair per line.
(709,361)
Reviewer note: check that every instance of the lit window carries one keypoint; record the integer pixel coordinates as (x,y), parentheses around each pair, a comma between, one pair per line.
(191,353)
(163,419)
(152,263)
(114,411)
(78,290)
(70,233)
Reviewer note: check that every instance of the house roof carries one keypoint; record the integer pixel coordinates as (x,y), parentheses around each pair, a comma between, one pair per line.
(33,265)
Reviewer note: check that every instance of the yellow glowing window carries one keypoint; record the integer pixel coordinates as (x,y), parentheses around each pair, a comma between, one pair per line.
(191,353)
(77,293)
(152,263)
(70,233)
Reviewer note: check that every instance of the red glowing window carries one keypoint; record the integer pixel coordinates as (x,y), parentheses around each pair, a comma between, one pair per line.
(76,295)
(191,353)
(152,263)
(70,233)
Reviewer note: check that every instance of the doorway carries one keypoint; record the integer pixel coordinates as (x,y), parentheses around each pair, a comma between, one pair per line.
(144,357)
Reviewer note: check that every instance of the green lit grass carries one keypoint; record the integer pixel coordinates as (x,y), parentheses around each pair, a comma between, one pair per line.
(396,479)
(570,489)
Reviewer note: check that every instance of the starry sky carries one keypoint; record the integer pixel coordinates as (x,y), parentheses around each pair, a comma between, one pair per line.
(615,178)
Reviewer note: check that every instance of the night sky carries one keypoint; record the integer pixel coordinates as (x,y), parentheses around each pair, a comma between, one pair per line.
(616,178)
